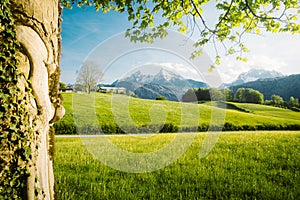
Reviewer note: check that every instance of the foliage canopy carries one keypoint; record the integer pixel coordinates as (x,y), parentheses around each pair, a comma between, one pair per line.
(235,18)
(248,95)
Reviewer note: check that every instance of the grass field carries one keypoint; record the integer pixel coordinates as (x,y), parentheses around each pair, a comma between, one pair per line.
(242,165)
(111,110)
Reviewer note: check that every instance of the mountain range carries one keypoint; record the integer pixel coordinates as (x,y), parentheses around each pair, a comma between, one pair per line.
(166,83)
(285,86)
(253,75)
(161,83)
(268,83)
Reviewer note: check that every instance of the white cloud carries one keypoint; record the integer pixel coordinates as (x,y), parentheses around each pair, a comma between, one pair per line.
(266,62)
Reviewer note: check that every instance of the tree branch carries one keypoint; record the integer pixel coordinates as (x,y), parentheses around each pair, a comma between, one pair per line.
(262,17)
(202,19)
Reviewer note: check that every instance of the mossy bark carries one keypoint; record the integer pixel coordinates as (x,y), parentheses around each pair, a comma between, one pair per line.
(38,32)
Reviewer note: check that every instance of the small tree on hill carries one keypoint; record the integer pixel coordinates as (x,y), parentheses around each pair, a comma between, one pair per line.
(161,98)
(293,102)
(277,100)
(88,76)
(248,95)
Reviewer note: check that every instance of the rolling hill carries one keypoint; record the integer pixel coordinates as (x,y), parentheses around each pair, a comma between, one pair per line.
(135,115)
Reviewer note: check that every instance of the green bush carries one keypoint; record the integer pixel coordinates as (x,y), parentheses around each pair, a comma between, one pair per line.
(169,128)
(203,127)
(62,128)
(161,98)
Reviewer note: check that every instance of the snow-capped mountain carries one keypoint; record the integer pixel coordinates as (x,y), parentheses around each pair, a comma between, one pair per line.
(159,82)
(167,76)
(138,77)
(253,75)
(162,77)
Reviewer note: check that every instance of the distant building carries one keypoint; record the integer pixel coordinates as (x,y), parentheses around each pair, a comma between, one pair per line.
(65,89)
(113,90)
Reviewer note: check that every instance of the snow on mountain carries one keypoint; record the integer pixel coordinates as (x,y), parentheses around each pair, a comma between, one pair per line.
(161,77)
(255,74)
(138,77)
(160,81)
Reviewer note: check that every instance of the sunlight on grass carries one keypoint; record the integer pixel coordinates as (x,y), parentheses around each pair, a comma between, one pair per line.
(242,165)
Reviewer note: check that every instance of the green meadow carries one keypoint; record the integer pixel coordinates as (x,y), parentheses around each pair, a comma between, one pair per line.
(114,112)
(242,165)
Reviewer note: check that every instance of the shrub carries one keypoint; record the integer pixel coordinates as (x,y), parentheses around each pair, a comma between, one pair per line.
(169,128)
(161,98)
(203,127)
(230,127)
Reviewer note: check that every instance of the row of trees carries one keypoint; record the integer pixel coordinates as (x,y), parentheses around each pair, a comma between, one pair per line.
(278,101)
(204,94)
(242,95)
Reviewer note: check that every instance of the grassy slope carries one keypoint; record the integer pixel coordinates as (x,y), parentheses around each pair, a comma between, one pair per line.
(110,109)
(242,165)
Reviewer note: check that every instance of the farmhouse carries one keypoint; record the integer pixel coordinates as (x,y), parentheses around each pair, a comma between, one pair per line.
(113,90)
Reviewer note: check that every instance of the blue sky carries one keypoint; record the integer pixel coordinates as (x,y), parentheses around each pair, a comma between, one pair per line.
(85,32)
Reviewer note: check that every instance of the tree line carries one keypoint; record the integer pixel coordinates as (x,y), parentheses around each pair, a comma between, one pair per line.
(242,95)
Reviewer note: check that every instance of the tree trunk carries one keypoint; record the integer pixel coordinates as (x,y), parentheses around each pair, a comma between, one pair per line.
(38,32)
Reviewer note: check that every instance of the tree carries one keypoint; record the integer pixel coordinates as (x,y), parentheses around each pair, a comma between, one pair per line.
(277,100)
(30,100)
(229,94)
(89,75)
(248,95)
(216,94)
(30,34)
(62,85)
(293,102)
(203,94)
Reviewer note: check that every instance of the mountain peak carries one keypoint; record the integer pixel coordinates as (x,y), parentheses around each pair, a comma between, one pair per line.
(255,74)
(166,75)
(156,76)
(157,82)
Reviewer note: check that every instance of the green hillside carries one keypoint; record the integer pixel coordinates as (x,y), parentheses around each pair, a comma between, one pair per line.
(120,113)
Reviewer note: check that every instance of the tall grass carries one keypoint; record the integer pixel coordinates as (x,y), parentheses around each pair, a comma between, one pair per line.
(242,165)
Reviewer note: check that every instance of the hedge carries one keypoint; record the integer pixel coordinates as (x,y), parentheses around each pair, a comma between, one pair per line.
(62,128)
